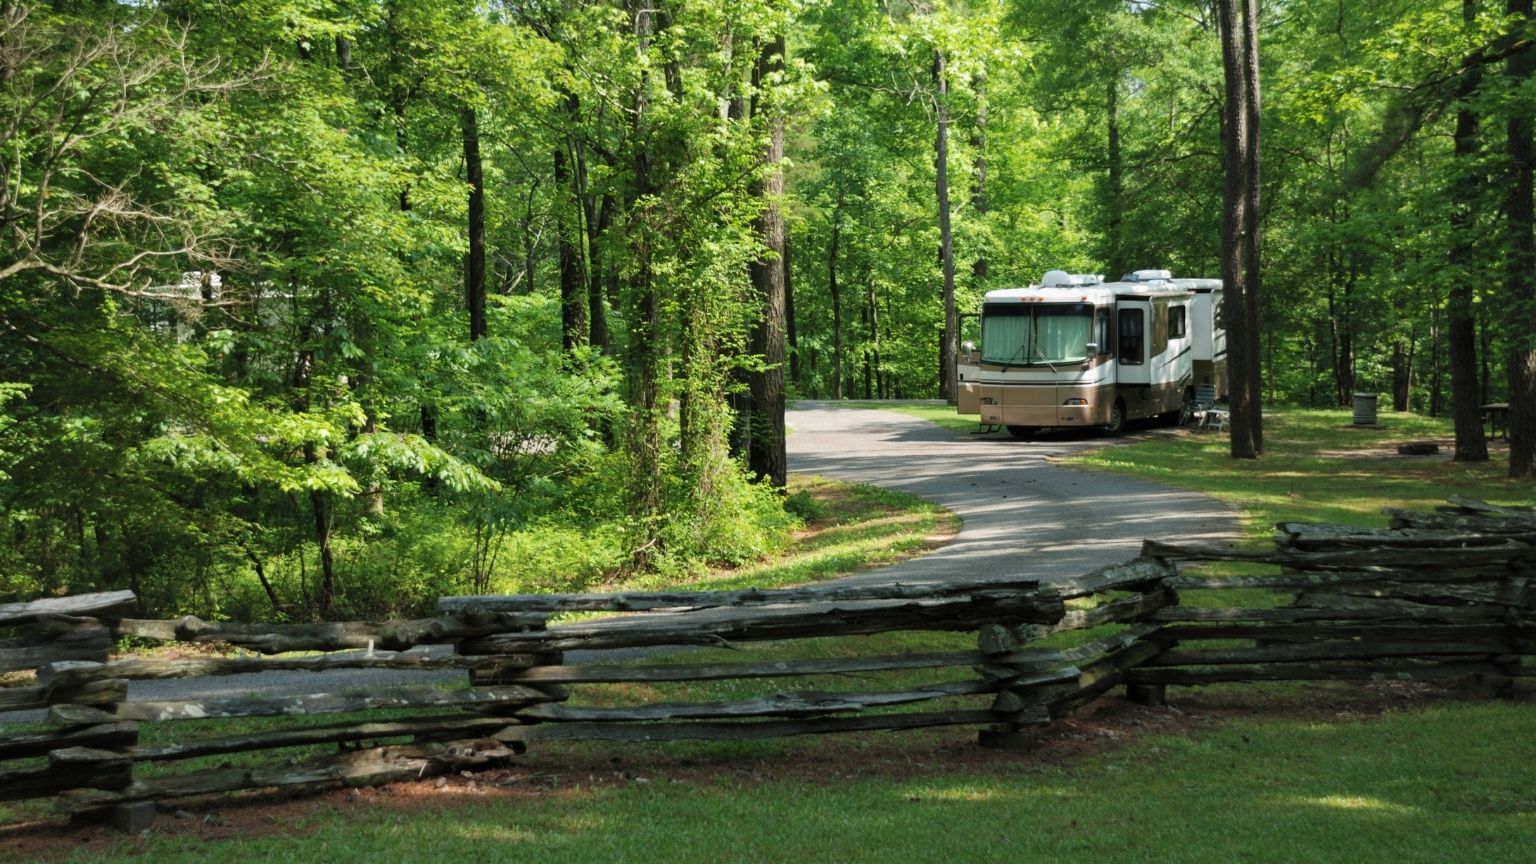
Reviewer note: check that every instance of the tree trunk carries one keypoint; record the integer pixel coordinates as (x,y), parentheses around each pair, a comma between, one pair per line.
(399,96)
(765,453)
(789,316)
(474,261)
(869,371)
(1520,280)
(1461,332)
(573,288)
(1114,255)
(644,440)
(1401,374)
(1341,319)
(946,241)
(837,301)
(327,600)
(1253,423)
(1238,249)
(1346,373)
(1436,362)
(979,201)
(598,278)
(740,394)
(874,341)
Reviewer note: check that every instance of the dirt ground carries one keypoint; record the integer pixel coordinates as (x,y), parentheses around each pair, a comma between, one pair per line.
(1447,449)
(571,770)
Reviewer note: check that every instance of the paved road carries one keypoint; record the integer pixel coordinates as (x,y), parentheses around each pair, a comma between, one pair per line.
(1022,517)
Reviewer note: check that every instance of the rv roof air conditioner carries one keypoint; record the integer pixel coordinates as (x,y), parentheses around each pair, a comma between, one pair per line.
(1147,276)
(1063,279)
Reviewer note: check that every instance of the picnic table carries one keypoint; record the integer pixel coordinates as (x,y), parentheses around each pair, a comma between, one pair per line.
(1496,418)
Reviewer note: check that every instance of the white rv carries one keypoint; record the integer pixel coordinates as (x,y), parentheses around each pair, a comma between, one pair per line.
(1077,351)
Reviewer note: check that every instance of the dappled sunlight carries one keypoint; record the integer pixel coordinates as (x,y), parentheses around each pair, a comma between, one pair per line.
(496,832)
(1356,803)
(1316,467)
(966,793)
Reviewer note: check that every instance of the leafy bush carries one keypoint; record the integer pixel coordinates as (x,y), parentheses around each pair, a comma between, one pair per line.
(803,506)
(551,557)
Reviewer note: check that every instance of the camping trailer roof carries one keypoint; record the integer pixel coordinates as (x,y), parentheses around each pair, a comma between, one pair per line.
(1058,286)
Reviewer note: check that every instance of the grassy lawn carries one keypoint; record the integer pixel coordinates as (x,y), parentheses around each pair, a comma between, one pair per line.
(1265,773)
(1316,467)
(1453,782)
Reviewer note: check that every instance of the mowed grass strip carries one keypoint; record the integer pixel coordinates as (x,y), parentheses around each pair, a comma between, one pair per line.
(1449,783)
(1317,467)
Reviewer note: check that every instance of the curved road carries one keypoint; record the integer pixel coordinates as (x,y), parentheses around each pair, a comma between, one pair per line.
(1022,517)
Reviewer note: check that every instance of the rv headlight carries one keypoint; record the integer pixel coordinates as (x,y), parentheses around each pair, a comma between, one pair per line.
(1076,401)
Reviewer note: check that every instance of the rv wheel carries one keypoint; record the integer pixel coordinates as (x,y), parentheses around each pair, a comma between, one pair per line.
(1116,418)
(1023,433)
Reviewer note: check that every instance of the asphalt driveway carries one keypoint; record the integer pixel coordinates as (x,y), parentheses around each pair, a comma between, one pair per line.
(1023,516)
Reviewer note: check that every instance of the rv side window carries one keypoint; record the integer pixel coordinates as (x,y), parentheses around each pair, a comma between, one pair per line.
(1101,330)
(1176,326)
(1131,337)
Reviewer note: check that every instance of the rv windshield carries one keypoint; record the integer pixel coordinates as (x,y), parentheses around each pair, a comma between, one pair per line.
(1034,334)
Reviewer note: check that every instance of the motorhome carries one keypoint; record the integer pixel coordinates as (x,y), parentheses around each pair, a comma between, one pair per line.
(1076,351)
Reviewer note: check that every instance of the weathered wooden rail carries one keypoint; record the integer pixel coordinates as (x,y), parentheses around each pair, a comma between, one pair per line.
(1434,595)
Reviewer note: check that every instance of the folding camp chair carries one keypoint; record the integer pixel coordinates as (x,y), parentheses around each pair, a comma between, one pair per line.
(1196,408)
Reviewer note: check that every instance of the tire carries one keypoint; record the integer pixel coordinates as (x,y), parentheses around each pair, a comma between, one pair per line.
(1023,433)
(1116,419)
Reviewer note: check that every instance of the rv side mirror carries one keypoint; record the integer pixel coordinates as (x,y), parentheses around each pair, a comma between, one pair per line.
(967,347)
(1093,348)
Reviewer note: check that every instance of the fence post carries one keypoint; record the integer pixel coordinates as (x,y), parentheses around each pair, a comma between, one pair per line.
(510,668)
(109,766)
(1517,598)
(1014,731)
(1155,694)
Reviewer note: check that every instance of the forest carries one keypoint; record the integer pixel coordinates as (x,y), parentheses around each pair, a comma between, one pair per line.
(319,308)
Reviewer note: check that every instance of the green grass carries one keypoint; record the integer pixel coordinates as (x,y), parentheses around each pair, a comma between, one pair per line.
(1450,783)
(1316,467)
(849,527)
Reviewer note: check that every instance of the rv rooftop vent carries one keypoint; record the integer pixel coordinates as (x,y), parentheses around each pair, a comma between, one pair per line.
(1148,275)
(1063,279)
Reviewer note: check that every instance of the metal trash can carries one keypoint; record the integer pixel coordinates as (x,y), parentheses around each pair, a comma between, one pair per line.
(1365,409)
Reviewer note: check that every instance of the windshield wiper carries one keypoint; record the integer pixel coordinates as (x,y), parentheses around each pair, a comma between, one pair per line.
(1014,356)
(1044,359)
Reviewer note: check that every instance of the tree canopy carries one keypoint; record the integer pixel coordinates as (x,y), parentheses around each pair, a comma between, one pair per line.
(312,307)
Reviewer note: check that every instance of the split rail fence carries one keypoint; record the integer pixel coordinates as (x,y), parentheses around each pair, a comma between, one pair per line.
(1445,594)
